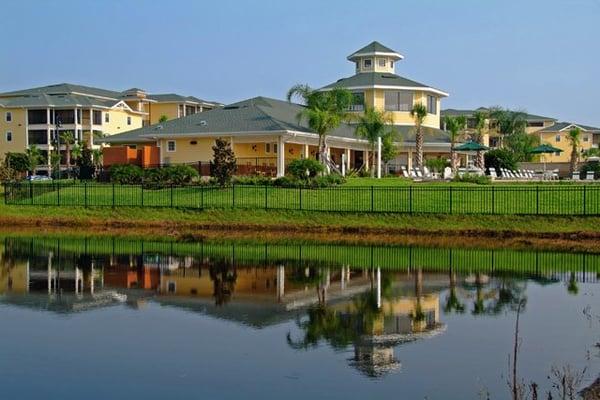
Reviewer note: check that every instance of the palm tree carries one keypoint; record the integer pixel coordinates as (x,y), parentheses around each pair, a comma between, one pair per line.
(455,126)
(480,123)
(574,137)
(76,152)
(97,157)
(68,139)
(419,112)
(373,124)
(452,301)
(34,157)
(324,111)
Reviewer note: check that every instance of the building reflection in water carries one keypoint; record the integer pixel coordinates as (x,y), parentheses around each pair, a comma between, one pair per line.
(367,308)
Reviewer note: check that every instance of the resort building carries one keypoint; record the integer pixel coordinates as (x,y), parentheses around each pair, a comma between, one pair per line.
(266,133)
(34,116)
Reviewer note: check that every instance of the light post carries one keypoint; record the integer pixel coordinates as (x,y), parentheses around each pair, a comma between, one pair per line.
(58,126)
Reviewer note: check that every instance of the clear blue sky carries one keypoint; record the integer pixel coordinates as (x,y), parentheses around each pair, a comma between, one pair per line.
(540,55)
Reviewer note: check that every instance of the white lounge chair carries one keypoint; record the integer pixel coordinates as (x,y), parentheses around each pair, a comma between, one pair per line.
(589,176)
(404,172)
(418,173)
(492,173)
(575,176)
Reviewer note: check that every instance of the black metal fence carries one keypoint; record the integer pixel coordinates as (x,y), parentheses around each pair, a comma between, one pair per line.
(504,199)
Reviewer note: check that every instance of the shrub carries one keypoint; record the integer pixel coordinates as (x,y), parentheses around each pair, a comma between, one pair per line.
(500,158)
(298,168)
(328,180)
(253,180)
(224,164)
(590,166)
(286,181)
(473,178)
(8,174)
(437,164)
(85,164)
(18,162)
(126,174)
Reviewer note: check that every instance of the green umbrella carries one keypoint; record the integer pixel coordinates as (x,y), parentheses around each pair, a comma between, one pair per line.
(545,149)
(471,146)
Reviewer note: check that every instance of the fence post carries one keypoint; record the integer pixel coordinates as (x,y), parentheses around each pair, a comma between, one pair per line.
(233,195)
(202,197)
(410,199)
(584,200)
(31,192)
(266,197)
(85,197)
(113,195)
(372,199)
(493,200)
(142,191)
(537,199)
(58,192)
(450,192)
(300,191)
(171,195)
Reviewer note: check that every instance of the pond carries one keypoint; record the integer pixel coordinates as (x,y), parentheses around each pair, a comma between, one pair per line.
(108,317)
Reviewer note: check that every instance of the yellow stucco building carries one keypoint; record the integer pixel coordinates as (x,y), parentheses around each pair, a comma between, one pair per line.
(32,116)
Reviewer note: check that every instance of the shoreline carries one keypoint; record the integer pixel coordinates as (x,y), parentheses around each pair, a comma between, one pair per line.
(557,233)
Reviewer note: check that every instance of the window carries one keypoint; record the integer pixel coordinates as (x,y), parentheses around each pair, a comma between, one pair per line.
(432,104)
(557,138)
(382,62)
(537,124)
(37,136)
(8,116)
(106,118)
(367,63)
(586,138)
(271,146)
(37,117)
(171,146)
(557,154)
(275,148)
(128,120)
(358,101)
(391,64)
(9,136)
(97,117)
(398,100)
(171,287)
(180,111)
(267,147)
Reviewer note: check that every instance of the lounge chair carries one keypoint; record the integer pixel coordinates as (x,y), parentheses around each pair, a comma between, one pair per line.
(404,172)
(492,173)
(418,173)
(589,176)
(575,176)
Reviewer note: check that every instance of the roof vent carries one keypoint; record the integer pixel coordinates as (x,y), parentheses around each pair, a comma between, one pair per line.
(159,127)
(230,108)
(203,123)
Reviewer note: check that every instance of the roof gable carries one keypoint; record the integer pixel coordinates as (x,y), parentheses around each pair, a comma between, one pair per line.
(375,48)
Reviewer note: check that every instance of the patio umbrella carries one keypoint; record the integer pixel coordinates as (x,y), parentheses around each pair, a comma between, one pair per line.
(471,146)
(545,149)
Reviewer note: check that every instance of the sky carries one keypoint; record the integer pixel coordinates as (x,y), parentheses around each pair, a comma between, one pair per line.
(542,56)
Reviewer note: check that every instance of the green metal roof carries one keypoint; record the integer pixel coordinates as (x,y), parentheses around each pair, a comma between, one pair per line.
(372,79)
(372,48)
(253,116)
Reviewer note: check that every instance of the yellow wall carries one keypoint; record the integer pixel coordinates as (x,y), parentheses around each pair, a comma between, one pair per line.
(18,276)
(118,121)
(159,109)
(186,152)
(376,98)
(17,127)
(564,144)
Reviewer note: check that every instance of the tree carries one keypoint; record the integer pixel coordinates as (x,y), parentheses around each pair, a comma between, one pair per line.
(389,148)
(574,137)
(67,139)
(324,111)
(224,163)
(511,126)
(455,126)
(34,158)
(17,161)
(87,168)
(419,112)
(481,119)
(372,125)
(76,152)
(97,157)
(163,118)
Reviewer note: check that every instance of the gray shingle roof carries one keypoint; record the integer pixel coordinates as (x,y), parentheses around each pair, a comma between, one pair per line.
(468,113)
(173,97)
(562,125)
(370,79)
(256,115)
(64,88)
(59,100)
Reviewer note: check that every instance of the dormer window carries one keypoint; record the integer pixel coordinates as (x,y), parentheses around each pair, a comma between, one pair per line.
(382,62)
(367,63)
(391,64)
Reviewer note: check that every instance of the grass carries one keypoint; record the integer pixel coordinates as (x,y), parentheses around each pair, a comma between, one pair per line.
(358,195)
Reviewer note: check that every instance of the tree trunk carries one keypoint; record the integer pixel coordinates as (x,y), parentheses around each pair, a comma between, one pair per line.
(574,156)
(480,160)
(419,147)
(372,155)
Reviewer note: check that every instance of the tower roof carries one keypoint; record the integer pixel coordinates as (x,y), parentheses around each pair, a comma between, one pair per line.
(375,49)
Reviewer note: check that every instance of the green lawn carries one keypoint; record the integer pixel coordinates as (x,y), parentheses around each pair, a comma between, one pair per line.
(358,195)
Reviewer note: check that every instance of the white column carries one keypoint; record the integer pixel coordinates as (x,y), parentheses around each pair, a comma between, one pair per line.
(348,159)
(378,288)
(328,152)
(280,282)
(409,161)
(231,143)
(343,164)
(306,151)
(343,278)
(366,159)
(379,157)
(91,143)
(280,157)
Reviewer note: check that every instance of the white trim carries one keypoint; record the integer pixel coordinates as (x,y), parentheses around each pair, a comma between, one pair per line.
(398,56)
(174,146)
(413,88)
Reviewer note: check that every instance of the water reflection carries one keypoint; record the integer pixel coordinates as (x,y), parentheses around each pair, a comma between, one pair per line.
(368,299)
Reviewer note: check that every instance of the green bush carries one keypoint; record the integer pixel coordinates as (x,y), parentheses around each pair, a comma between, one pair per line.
(328,180)
(255,180)
(126,174)
(590,166)
(18,162)
(287,181)
(298,168)
(500,158)
(473,178)
(437,164)
(170,175)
